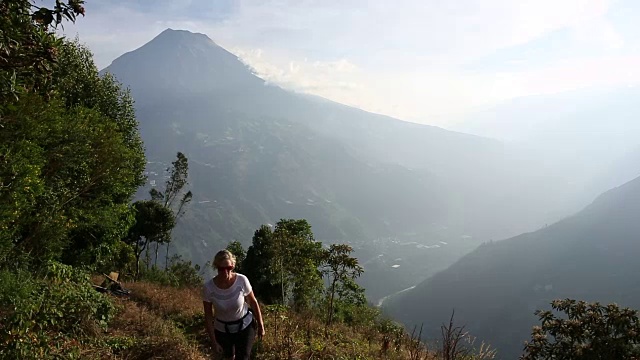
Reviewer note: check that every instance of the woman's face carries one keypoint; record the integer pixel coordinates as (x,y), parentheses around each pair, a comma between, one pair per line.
(225,267)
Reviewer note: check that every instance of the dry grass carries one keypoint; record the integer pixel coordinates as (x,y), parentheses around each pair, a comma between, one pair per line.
(160,322)
(168,302)
(289,335)
(140,334)
(294,336)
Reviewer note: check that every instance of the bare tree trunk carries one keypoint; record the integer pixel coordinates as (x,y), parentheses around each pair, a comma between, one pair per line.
(282,281)
(166,257)
(333,292)
(147,256)
(139,250)
(155,262)
(138,253)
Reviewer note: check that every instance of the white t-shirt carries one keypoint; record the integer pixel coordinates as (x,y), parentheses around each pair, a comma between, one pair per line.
(229,304)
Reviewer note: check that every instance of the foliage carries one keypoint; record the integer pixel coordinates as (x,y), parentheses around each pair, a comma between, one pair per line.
(284,264)
(118,256)
(65,180)
(49,316)
(186,273)
(156,275)
(28,45)
(70,163)
(153,223)
(391,332)
(79,83)
(61,11)
(342,270)
(174,187)
(257,265)
(299,257)
(350,305)
(180,273)
(238,251)
(179,172)
(585,331)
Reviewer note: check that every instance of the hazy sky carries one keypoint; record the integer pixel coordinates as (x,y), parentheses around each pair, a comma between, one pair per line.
(420,60)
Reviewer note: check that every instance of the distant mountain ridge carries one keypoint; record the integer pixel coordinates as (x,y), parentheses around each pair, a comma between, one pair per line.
(582,130)
(259,153)
(495,289)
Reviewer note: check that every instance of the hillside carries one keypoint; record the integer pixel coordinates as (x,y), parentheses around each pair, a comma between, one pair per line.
(259,153)
(160,322)
(496,288)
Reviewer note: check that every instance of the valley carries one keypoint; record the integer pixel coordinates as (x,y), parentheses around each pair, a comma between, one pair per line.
(259,153)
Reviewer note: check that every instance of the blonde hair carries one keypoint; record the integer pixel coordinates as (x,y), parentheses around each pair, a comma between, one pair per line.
(223,255)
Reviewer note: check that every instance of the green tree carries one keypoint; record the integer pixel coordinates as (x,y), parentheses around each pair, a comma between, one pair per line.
(70,154)
(52,17)
(342,270)
(66,179)
(586,331)
(297,261)
(258,265)
(283,263)
(153,223)
(238,251)
(351,305)
(29,45)
(79,84)
(174,190)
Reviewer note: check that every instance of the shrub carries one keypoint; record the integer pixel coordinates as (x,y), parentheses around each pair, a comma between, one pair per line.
(159,276)
(187,275)
(49,316)
(585,331)
(118,256)
(180,273)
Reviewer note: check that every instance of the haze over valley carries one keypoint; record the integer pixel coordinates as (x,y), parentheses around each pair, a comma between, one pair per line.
(412,198)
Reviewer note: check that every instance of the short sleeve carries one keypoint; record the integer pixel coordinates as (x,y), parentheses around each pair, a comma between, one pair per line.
(206,293)
(246,287)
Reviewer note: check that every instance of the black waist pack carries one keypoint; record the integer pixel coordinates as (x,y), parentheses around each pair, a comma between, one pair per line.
(234,322)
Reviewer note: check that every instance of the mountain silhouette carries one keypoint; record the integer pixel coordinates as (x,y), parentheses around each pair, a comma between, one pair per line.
(496,289)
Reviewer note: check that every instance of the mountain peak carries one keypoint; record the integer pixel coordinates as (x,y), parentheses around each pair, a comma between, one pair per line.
(169,36)
(182,61)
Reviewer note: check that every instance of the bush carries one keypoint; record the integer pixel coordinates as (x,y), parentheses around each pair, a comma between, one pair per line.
(585,331)
(118,256)
(49,316)
(187,275)
(180,273)
(159,276)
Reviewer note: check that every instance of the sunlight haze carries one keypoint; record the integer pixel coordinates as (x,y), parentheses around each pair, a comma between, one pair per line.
(423,61)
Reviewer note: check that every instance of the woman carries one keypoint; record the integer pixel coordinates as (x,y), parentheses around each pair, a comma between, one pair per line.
(230,323)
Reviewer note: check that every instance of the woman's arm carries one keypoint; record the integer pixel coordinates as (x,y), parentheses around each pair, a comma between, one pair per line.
(208,322)
(251,299)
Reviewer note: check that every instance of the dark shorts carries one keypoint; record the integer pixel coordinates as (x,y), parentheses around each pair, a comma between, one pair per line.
(241,342)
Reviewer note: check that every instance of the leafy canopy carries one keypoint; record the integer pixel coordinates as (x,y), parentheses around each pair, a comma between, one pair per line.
(585,331)
(71,156)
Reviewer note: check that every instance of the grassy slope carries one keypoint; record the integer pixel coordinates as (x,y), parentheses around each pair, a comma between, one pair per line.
(160,322)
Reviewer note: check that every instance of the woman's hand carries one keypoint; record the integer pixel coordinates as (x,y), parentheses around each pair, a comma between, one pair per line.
(217,347)
(208,324)
(251,299)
